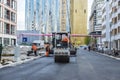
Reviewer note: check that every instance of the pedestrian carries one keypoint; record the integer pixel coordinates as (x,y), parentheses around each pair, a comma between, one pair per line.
(89,48)
(34,48)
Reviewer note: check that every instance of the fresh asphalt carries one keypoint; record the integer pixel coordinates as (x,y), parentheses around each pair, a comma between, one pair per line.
(86,66)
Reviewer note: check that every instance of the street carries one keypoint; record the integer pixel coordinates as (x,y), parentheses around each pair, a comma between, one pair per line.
(86,66)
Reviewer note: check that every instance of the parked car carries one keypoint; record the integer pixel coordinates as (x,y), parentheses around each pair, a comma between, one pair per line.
(84,47)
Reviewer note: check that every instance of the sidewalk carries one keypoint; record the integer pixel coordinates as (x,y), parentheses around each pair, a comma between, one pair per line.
(23,58)
(106,53)
(12,60)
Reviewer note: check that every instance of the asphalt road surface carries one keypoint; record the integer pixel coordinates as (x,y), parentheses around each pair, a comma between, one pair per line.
(86,66)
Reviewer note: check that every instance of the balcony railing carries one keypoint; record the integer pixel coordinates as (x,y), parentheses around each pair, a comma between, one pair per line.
(7,17)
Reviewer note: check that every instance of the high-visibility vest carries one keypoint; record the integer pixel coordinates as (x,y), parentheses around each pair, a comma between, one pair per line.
(65,39)
(34,47)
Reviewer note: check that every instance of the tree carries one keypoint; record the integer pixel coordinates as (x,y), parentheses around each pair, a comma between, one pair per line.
(87,40)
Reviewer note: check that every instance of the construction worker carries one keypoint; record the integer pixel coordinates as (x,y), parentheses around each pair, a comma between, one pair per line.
(47,49)
(65,41)
(34,48)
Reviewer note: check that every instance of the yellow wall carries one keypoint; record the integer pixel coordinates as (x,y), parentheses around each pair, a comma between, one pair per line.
(78,19)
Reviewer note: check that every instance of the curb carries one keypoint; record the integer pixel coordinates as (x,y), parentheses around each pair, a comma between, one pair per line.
(109,56)
(20,62)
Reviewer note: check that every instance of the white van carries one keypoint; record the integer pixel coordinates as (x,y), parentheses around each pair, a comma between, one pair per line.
(39,43)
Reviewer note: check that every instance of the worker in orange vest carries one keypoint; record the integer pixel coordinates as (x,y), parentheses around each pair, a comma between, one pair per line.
(34,48)
(47,49)
(65,41)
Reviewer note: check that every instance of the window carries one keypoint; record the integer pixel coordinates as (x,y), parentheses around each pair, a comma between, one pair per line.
(84,10)
(119,16)
(114,20)
(119,29)
(115,31)
(6,28)
(0,40)
(0,11)
(13,17)
(7,14)
(6,41)
(13,4)
(76,11)
(0,1)
(7,2)
(0,27)
(118,3)
(114,9)
(12,29)
(63,11)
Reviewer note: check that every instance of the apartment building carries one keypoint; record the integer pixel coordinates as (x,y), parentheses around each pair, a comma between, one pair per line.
(111,24)
(8,22)
(95,21)
(115,27)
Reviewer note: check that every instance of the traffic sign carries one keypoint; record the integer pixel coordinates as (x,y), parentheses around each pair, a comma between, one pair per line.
(24,39)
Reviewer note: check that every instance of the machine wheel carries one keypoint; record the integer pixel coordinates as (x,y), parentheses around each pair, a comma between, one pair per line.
(56,59)
(67,60)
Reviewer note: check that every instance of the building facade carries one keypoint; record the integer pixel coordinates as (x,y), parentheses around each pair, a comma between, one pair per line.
(106,24)
(115,27)
(95,21)
(78,20)
(8,22)
(111,24)
(32,14)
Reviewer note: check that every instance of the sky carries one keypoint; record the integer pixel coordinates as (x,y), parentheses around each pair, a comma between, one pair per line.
(21,13)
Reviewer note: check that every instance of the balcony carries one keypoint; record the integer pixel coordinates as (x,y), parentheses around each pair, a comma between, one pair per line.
(7,17)
(7,14)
